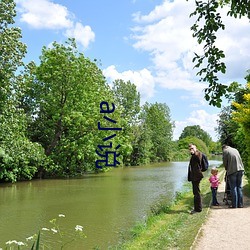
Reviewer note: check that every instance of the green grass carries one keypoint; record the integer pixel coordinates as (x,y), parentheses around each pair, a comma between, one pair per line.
(170,226)
(246,188)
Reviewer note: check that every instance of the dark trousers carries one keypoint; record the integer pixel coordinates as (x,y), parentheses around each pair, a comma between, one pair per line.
(235,182)
(197,196)
(214,196)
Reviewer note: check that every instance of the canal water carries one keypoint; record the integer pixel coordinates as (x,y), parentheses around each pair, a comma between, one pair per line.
(106,204)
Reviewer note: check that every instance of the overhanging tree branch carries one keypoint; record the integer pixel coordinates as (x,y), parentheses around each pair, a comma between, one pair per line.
(205,28)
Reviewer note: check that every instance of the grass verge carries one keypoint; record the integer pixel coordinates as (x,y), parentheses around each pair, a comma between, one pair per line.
(170,226)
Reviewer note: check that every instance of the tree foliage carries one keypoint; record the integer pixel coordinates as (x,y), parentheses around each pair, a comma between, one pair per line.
(20,158)
(196,131)
(65,93)
(201,146)
(128,98)
(227,128)
(12,50)
(233,123)
(157,121)
(242,117)
(205,28)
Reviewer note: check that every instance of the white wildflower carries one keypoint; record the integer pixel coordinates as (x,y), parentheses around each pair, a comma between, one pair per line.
(45,229)
(10,242)
(20,243)
(54,230)
(61,215)
(29,238)
(78,228)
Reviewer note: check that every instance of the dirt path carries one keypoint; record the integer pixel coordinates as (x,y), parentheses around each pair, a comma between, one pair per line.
(225,228)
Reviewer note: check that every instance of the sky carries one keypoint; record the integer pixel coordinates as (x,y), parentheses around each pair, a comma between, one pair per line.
(147,42)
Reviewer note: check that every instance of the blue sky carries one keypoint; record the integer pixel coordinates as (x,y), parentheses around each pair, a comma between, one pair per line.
(148,42)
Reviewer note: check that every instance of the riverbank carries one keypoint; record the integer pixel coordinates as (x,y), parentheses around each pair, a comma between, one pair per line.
(171,227)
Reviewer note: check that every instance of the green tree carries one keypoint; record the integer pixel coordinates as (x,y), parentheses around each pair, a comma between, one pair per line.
(142,145)
(196,131)
(227,127)
(12,50)
(207,25)
(229,130)
(157,122)
(128,98)
(242,117)
(183,144)
(215,147)
(65,92)
(20,158)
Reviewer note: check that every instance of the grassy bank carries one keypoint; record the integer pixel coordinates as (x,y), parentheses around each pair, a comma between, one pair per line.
(170,227)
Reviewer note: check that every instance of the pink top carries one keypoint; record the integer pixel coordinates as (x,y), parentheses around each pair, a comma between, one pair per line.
(214,181)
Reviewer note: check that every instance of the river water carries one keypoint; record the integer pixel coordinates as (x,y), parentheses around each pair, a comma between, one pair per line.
(104,204)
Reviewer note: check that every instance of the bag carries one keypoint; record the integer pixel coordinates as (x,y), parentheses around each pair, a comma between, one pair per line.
(204,163)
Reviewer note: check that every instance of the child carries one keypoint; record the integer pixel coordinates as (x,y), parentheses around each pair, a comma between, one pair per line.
(214,185)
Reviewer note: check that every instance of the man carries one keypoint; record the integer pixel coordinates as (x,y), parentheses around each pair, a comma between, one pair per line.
(235,169)
(195,175)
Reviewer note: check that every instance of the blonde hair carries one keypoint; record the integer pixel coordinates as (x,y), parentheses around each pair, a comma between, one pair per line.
(214,170)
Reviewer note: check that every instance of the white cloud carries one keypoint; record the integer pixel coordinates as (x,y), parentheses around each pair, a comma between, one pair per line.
(83,34)
(165,33)
(234,41)
(44,14)
(143,80)
(198,117)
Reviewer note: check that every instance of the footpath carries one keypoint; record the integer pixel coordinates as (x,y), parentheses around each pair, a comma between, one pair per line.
(225,228)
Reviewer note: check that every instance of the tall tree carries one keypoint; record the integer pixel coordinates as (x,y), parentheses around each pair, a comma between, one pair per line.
(207,25)
(241,114)
(227,127)
(184,142)
(19,158)
(196,131)
(12,51)
(128,98)
(157,121)
(65,94)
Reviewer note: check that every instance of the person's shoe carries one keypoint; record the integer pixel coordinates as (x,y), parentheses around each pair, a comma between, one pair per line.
(231,206)
(241,206)
(194,212)
(217,204)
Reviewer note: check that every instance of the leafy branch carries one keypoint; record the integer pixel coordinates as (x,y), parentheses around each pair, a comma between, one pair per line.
(210,63)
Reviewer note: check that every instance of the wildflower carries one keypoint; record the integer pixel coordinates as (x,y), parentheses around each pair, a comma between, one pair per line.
(29,238)
(61,215)
(20,243)
(45,229)
(10,242)
(78,228)
(54,230)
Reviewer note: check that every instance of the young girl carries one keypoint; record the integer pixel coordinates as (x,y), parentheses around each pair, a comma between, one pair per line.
(214,185)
